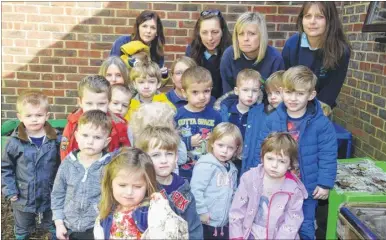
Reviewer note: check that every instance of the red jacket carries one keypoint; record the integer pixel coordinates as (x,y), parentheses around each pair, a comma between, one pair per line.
(118,133)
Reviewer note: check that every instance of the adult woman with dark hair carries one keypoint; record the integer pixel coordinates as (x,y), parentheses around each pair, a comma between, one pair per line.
(148,29)
(322,46)
(250,50)
(210,39)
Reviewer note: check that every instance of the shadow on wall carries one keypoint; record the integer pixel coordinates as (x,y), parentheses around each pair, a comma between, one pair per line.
(57,69)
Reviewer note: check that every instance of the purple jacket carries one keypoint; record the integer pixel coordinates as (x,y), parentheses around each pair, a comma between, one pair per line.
(285,214)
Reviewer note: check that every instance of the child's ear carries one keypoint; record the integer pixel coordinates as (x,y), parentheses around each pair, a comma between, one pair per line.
(78,101)
(183,93)
(76,135)
(312,95)
(108,140)
(48,116)
(236,90)
(18,116)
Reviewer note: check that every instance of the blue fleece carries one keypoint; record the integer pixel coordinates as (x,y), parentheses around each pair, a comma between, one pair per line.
(317,153)
(183,203)
(190,123)
(229,67)
(256,119)
(116,49)
(180,102)
(330,81)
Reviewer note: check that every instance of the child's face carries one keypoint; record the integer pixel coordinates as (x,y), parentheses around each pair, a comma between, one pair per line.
(248,92)
(91,140)
(164,161)
(147,86)
(129,189)
(179,69)
(274,97)
(198,95)
(276,165)
(120,102)
(93,101)
(296,101)
(224,148)
(114,75)
(33,117)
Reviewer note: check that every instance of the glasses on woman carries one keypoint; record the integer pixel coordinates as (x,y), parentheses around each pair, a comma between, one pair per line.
(210,12)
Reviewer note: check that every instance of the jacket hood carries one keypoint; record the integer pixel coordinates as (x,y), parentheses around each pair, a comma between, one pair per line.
(211,159)
(21,133)
(290,184)
(104,160)
(314,110)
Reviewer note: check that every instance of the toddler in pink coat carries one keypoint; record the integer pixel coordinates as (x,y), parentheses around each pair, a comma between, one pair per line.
(268,202)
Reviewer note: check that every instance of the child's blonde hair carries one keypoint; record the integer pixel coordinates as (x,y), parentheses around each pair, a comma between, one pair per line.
(156,114)
(274,82)
(133,160)
(251,18)
(123,88)
(97,118)
(158,137)
(96,84)
(281,143)
(33,97)
(196,74)
(299,76)
(114,60)
(146,68)
(248,74)
(226,129)
(185,60)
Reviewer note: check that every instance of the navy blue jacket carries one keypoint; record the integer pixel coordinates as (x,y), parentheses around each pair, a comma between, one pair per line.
(229,67)
(116,49)
(183,203)
(317,144)
(330,81)
(256,120)
(28,171)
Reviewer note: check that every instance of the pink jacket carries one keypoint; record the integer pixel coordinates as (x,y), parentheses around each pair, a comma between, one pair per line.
(285,214)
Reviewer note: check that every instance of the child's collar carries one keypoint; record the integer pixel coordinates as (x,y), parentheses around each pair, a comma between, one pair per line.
(22,132)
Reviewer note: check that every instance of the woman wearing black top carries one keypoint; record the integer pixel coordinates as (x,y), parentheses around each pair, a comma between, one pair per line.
(210,38)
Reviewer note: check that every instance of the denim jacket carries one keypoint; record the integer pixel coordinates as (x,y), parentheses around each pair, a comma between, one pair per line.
(28,171)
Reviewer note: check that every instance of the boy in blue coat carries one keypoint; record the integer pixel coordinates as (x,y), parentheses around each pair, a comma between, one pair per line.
(256,119)
(302,116)
(161,143)
(29,165)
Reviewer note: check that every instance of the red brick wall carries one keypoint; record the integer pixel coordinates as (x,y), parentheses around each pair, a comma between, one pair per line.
(52,45)
(362,101)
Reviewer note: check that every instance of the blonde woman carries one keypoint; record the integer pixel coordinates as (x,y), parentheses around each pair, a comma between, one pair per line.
(250,50)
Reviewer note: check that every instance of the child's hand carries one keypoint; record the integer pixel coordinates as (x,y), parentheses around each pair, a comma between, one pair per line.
(320,193)
(61,230)
(204,218)
(195,140)
(14,198)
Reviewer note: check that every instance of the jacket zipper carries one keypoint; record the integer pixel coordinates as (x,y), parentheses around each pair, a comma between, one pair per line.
(269,208)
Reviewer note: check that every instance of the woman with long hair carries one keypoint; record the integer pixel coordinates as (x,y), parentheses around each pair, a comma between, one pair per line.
(210,39)
(149,30)
(322,46)
(250,50)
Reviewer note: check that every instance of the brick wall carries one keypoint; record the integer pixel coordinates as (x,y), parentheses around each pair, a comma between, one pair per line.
(52,45)
(362,101)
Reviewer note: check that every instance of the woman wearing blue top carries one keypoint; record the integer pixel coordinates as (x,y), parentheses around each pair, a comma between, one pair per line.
(148,29)
(210,38)
(322,46)
(250,50)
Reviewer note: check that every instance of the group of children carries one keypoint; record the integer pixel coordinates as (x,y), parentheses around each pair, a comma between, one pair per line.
(243,167)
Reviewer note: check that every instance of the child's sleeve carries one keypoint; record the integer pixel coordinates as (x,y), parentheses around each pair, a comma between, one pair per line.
(65,142)
(182,153)
(193,220)
(238,209)
(293,217)
(327,155)
(202,174)
(8,166)
(58,194)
